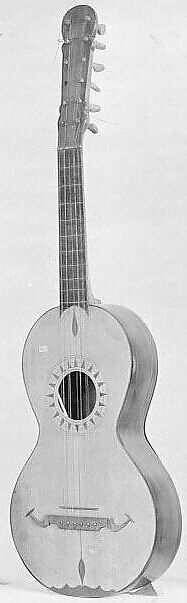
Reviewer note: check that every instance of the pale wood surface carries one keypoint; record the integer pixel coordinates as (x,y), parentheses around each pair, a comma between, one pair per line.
(131,432)
(108,478)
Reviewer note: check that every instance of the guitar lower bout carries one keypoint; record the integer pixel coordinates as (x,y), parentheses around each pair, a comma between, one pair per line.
(118,533)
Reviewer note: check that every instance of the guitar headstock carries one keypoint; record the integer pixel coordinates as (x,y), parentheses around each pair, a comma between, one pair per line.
(79,29)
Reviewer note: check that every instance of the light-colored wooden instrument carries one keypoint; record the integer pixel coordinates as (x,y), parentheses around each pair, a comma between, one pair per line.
(93,511)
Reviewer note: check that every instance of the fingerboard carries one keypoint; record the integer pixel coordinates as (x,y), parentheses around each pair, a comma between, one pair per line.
(72,236)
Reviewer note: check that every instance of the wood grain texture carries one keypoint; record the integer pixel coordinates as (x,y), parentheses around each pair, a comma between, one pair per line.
(111,467)
(131,433)
(79,28)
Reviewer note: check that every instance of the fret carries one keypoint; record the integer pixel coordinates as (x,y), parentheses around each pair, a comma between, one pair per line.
(67,248)
(71,210)
(70,265)
(74,276)
(70,285)
(66,289)
(72,257)
(66,304)
(73,236)
(70,176)
(67,228)
(77,272)
(72,243)
(73,295)
(71,164)
(71,192)
(70,220)
(72,289)
(67,243)
(69,201)
(71,207)
(79,265)
(69,185)
(72,156)
(73,283)
(73,279)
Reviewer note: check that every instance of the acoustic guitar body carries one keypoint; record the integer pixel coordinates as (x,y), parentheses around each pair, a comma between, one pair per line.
(98,471)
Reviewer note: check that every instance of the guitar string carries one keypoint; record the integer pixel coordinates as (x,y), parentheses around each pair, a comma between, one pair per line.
(83,268)
(84,296)
(81,289)
(66,338)
(84,280)
(83,248)
(62,202)
(65,295)
(62,193)
(96,540)
(78,212)
(78,373)
(82,284)
(72,294)
(77,271)
(71,275)
(65,335)
(84,274)
(87,302)
(83,254)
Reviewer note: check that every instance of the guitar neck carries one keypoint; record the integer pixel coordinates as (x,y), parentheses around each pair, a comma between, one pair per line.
(78,30)
(72,235)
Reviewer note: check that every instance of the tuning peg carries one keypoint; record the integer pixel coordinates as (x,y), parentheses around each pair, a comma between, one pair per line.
(99,45)
(101,29)
(95,87)
(94,108)
(93,128)
(98,67)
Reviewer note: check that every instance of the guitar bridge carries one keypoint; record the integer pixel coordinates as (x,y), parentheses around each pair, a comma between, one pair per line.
(77,523)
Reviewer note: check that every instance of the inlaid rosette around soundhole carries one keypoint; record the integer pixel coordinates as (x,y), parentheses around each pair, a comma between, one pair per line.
(76,395)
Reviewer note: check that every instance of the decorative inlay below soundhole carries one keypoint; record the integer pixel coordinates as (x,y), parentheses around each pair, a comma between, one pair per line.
(146,589)
(83,591)
(77,395)
(74,324)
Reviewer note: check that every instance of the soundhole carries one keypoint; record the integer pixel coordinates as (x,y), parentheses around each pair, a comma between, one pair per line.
(77,395)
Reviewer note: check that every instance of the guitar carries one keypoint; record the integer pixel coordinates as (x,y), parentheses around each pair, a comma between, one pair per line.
(93,512)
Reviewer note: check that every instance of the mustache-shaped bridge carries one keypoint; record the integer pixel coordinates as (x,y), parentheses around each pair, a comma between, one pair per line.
(87,524)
